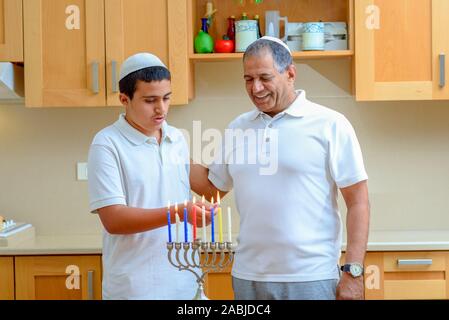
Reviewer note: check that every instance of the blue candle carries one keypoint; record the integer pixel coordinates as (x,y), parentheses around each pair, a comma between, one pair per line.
(186,235)
(212,221)
(169,222)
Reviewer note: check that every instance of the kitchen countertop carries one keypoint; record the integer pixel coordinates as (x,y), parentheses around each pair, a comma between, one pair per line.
(42,245)
(92,244)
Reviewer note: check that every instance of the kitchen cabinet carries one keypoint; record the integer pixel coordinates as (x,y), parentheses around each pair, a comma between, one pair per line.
(407,275)
(295,10)
(6,278)
(129,30)
(219,285)
(58,277)
(74,48)
(400,47)
(11,31)
(388,275)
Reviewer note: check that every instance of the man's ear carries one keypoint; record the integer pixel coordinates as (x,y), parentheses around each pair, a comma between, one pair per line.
(291,72)
(124,99)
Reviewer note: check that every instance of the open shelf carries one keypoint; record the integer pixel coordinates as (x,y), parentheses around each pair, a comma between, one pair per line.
(297,55)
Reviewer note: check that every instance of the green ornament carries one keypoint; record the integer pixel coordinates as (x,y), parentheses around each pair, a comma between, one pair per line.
(204,43)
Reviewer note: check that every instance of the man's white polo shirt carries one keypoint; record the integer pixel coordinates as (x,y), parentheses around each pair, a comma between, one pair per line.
(290,226)
(128,168)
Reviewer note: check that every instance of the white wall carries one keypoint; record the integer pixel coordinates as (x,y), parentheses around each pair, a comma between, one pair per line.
(405,145)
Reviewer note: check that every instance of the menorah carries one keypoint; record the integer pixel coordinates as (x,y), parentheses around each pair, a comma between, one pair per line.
(200,258)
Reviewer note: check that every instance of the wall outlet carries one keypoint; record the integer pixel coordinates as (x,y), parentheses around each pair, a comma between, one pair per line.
(81,171)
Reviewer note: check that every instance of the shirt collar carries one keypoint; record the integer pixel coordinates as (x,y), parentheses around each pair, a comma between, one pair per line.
(137,137)
(299,107)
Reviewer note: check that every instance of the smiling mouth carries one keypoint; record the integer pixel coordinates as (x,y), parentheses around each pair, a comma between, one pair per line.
(261,98)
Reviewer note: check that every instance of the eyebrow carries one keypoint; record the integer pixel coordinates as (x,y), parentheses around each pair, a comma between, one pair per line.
(259,75)
(147,97)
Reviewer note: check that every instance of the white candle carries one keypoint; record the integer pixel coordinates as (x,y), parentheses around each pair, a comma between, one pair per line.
(229,225)
(178,222)
(203,217)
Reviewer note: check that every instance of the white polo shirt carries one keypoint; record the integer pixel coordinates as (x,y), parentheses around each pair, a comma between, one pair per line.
(290,226)
(129,168)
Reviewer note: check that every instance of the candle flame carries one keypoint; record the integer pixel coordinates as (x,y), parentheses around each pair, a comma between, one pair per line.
(168,205)
(212,200)
(185,203)
(218,197)
(202,199)
(176,206)
(194,200)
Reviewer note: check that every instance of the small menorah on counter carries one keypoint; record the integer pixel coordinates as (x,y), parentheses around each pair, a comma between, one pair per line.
(200,258)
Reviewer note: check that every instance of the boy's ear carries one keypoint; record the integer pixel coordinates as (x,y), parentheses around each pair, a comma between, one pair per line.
(124,99)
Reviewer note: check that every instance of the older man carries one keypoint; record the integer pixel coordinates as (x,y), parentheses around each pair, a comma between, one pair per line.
(290,228)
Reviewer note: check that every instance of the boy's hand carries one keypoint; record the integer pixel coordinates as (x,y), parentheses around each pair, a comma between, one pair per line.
(199,215)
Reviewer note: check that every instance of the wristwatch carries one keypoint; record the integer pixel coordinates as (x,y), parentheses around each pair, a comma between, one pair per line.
(354,269)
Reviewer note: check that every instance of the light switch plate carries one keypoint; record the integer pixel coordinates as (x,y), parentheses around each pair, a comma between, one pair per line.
(81,171)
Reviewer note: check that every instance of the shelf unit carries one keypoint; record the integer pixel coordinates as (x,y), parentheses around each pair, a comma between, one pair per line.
(295,10)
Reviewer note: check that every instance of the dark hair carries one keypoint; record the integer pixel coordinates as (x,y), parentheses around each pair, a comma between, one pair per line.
(128,84)
(282,58)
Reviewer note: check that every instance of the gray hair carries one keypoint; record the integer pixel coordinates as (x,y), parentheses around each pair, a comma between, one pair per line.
(282,58)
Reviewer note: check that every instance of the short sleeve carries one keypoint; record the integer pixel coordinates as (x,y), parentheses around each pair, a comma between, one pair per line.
(105,185)
(345,155)
(219,171)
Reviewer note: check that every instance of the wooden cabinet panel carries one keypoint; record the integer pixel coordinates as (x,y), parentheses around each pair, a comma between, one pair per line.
(407,275)
(58,277)
(11,31)
(398,43)
(64,53)
(440,39)
(219,285)
(6,278)
(130,31)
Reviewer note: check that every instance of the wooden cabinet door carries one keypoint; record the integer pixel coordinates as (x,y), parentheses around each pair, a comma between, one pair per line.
(11,31)
(406,275)
(64,53)
(6,278)
(440,41)
(398,43)
(58,278)
(156,26)
(219,285)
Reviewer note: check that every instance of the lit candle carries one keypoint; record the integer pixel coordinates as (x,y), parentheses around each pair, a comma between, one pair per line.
(203,216)
(186,235)
(177,222)
(169,222)
(229,225)
(220,220)
(212,220)
(194,218)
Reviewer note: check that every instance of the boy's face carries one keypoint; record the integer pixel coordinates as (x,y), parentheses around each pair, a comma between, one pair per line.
(148,109)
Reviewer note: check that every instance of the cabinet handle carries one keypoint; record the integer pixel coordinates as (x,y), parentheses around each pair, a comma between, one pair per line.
(95,77)
(414,262)
(442,70)
(114,76)
(90,285)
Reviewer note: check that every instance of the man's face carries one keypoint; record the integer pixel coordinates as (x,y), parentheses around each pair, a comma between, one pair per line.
(270,91)
(149,107)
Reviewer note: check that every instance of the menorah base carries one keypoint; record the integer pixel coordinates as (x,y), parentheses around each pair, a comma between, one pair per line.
(187,256)
(200,295)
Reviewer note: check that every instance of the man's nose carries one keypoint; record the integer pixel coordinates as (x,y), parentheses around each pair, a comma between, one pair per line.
(257,86)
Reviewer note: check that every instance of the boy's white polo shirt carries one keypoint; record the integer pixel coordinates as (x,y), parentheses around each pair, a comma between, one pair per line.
(128,168)
(290,226)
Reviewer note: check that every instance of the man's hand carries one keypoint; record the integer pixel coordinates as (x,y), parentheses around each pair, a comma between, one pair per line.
(350,288)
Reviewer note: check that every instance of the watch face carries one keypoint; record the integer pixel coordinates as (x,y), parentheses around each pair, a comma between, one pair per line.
(356,270)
